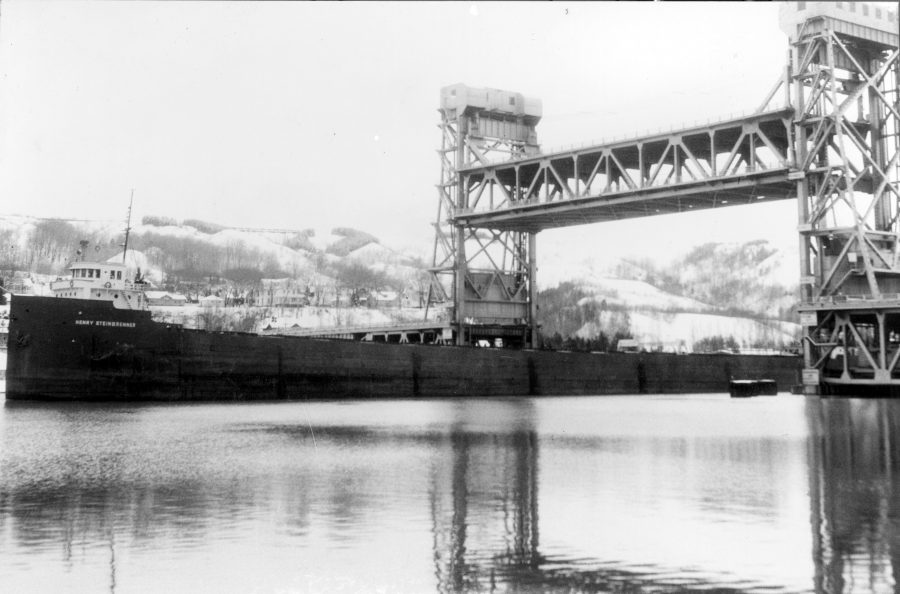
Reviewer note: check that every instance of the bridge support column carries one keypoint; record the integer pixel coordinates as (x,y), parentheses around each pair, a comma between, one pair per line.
(847,173)
(533,330)
(488,269)
(459,285)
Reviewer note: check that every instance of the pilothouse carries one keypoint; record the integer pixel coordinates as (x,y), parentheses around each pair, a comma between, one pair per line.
(104,281)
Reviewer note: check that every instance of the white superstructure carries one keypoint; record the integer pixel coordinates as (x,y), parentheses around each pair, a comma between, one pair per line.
(104,281)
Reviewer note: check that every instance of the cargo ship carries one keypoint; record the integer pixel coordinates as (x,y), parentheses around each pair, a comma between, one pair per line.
(94,338)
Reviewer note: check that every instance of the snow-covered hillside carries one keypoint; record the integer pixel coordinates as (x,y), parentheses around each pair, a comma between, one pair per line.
(680,331)
(740,291)
(160,246)
(636,294)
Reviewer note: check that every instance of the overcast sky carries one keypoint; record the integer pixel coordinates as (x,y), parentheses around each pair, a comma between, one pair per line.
(296,115)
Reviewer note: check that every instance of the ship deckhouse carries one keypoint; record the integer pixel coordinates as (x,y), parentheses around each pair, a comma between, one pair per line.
(104,281)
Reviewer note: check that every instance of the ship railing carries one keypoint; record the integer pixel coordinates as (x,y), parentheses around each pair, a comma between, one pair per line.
(362,329)
(98,283)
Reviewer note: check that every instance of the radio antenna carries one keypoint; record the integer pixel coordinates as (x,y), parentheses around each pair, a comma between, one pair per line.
(127,226)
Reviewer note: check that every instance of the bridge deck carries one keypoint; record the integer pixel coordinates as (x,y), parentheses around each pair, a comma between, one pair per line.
(738,161)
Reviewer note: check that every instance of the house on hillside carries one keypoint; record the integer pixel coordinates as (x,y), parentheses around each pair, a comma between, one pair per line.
(628,345)
(385,298)
(212,301)
(165,298)
(289,297)
(284,292)
(20,284)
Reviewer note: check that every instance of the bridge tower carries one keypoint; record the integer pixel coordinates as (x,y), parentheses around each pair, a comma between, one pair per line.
(488,275)
(845,78)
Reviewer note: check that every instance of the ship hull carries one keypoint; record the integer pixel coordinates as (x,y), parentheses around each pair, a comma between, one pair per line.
(73,349)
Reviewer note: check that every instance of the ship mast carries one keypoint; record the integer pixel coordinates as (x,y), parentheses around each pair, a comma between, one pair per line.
(127,227)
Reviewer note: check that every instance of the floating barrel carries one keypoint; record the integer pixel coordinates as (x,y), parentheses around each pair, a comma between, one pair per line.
(742,388)
(749,388)
(767,387)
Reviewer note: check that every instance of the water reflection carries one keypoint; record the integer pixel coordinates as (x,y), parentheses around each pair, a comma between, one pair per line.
(854,461)
(484,503)
(674,494)
(634,495)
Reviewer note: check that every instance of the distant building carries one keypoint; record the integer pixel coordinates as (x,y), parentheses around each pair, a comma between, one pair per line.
(628,345)
(285,293)
(19,284)
(385,298)
(290,298)
(212,301)
(165,298)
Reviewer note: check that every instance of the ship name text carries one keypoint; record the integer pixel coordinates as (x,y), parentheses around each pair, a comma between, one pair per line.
(108,323)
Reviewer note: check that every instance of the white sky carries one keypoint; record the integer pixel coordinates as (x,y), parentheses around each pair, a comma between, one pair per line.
(296,115)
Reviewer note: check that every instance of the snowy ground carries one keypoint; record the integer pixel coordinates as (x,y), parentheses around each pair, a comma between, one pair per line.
(672,330)
(635,294)
(662,320)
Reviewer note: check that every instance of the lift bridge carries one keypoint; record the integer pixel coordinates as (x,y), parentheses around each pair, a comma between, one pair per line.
(827,134)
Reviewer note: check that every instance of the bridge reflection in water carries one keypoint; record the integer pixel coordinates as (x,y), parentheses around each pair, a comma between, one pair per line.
(648,494)
(492,478)
(625,503)
(853,458)
(855,494)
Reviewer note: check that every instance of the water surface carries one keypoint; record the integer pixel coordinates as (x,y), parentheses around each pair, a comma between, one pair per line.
(627,494)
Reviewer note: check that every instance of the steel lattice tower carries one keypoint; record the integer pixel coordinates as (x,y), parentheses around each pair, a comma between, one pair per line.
(844,72)
(488,274)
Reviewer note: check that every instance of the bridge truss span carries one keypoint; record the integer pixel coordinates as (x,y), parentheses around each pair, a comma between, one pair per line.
(732,162)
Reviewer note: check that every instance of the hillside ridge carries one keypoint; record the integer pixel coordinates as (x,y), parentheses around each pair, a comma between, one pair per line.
(712,292)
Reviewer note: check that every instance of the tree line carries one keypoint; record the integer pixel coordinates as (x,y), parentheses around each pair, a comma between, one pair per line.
(572,319)
(729,277)
(50,246)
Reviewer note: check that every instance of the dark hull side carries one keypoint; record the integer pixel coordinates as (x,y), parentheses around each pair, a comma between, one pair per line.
(70,349)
